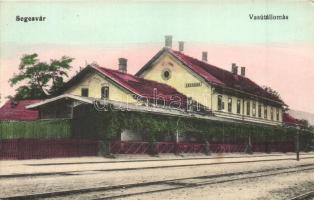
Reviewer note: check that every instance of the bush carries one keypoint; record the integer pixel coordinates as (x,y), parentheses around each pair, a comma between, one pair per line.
(41,129)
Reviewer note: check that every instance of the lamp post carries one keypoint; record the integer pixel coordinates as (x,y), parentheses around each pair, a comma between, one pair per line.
(298,143)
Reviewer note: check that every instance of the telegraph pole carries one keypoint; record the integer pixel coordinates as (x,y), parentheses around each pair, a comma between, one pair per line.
(298,143)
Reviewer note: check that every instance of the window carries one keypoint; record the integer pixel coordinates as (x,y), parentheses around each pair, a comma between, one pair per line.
(248,108)
(265,111)
(229,104)
(271,113)
(254,109)
(277,114)
(84,92)
(239,106)
(259,110)
(105,92)
(166,74)
(220,103)
(193,85)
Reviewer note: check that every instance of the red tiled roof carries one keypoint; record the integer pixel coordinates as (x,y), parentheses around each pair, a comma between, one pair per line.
(216,75)
(18,112)
(143,87)
(291,121)
(223,77)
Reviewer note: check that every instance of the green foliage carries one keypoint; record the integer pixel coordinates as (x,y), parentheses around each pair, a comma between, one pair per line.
(108,125)
(38,79)
(115,121)
(44,129)
(272,92)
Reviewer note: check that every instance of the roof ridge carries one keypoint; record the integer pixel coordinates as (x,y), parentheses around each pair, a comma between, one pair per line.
(220,73)
(207,63)
(243,77)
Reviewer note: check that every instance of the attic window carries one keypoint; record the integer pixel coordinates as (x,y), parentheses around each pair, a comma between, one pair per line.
(166,74)
(84,92)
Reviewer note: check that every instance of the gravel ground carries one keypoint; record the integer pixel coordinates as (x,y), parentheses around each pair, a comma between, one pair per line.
(29,167)
(90,175)
(276,187)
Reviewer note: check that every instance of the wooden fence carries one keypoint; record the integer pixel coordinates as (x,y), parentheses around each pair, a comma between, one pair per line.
(40,148)
(120,147)
(54,148)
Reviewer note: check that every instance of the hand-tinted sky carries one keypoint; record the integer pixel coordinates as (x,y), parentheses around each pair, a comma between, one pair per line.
(276,53)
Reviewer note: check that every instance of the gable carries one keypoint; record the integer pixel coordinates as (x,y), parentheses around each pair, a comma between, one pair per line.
(214,76)
(123,87)
(181,78)
(94,82)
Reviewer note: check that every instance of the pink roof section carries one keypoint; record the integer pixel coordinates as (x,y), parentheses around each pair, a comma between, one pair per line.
(223,77)
(198,67)
(143,87)
(215,75)
(291,121)
(18,112)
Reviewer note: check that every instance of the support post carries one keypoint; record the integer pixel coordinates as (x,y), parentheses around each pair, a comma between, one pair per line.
(207,147)
(249,149)
(104,148)
(298,144)
(152,145)
(177,150)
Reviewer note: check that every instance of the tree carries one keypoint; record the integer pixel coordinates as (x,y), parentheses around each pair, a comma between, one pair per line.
(272,91)
(40,79)
(276,94)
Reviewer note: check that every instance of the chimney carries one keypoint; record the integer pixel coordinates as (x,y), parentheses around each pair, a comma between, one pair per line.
(234,69)
(242,71)
(181,46)
(204,56)
(168,41)
(123,65)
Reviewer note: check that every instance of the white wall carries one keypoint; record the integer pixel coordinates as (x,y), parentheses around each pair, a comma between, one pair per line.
(130,135)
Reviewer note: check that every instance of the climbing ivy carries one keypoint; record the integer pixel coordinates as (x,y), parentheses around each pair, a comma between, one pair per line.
(109,124)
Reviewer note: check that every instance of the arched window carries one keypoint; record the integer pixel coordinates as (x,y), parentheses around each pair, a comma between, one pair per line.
(220,103)
(105,92)
(239,106)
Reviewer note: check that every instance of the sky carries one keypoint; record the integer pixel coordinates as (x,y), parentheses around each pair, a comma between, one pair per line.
(276,53)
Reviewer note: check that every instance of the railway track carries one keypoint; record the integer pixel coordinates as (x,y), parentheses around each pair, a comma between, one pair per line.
(141,188)
(305,196)
(76,172)
(161,160)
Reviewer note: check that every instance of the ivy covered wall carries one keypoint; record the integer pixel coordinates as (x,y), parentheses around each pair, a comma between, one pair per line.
(107,126)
